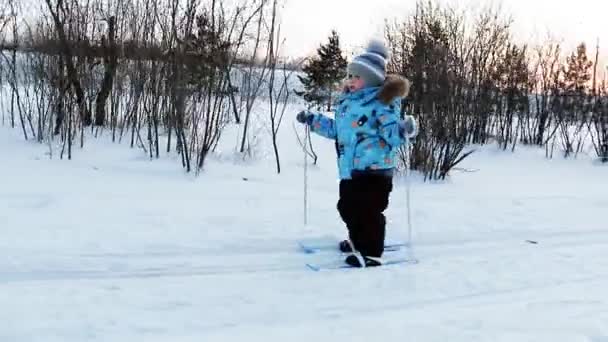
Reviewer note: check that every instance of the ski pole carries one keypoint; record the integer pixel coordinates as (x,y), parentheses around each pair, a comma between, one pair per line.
(408,196)
(305,151)
(305,177)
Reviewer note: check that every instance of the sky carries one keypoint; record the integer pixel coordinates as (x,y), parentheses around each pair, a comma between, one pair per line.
(307,23)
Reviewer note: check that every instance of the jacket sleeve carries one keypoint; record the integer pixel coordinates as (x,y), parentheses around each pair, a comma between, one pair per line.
(389,129)
(323,126)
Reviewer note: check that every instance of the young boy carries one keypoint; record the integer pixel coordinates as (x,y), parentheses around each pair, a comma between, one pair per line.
(368,134)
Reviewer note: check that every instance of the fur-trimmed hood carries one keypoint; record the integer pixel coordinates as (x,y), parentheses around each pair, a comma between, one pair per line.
(394,86)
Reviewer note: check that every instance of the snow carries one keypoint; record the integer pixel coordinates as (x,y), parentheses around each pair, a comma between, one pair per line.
(110,246)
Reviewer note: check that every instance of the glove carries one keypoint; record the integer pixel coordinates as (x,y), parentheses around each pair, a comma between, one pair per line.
(304,117)
(408,127)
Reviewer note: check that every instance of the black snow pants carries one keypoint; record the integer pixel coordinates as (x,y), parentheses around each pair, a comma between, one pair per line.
(362,202)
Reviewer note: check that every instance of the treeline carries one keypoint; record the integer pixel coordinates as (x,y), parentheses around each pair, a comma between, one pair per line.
(125,50)
(182,70)
(473,83)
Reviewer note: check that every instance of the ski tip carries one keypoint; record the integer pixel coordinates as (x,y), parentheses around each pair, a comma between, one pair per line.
(413,261)
(313,267)
(308,250)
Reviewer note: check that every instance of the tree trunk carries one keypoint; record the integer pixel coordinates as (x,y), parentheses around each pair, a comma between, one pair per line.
(72,73)
(110,62)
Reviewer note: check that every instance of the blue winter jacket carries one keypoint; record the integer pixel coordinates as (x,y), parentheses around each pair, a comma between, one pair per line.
(366,128)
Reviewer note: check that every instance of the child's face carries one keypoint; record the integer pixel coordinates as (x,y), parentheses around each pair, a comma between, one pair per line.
(354,83)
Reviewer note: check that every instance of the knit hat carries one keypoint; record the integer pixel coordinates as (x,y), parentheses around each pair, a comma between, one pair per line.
(371,65)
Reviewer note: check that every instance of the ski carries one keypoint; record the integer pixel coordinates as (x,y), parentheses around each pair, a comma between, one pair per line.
(340,264)
(330,244)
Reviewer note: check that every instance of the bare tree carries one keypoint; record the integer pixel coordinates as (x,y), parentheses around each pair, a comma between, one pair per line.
(6,16)
(547,73)
(597,124)
(177,79)
(511,82)
(60,11)
(277,99)
(252,76)
(110,61)
(425,50)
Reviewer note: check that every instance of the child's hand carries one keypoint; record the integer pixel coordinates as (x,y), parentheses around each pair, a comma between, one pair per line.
(408,126)
(304,117)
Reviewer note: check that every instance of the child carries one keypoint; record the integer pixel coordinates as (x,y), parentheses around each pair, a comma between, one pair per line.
(368,133)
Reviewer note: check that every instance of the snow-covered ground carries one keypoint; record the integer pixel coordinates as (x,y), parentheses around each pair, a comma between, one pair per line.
(112,247)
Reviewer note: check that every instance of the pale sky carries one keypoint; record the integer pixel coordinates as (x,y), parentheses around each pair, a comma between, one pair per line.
(308,23)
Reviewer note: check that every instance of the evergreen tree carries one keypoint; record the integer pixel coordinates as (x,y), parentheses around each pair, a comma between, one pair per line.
(206,53)
(573,104)
(577,73)
(575,85)
(323,73)
(510,76)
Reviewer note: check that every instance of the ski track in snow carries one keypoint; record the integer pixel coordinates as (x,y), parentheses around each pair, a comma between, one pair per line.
(107,247)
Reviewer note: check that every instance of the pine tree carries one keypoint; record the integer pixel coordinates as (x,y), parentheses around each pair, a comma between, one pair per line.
(577,73)
(323,73)
(575,85)
(207,53)
(312,82)
(573,104)
(510,76)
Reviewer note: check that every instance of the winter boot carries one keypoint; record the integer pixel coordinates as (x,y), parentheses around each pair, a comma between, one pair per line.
(345,247)
(353,261)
